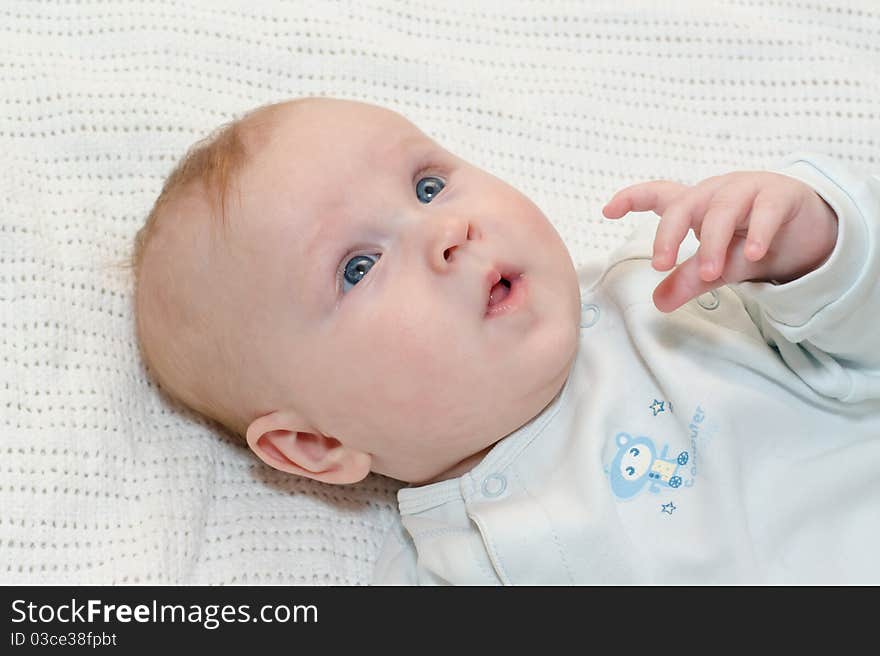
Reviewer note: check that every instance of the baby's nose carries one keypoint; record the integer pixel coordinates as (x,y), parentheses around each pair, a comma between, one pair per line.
(448,236)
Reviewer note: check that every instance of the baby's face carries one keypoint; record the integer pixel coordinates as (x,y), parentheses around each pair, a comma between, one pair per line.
(369,253)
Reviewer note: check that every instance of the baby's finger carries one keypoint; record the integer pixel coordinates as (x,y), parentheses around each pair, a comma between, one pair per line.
(769,212)
(652,196)
(727,210)
(680,216)
(682,285)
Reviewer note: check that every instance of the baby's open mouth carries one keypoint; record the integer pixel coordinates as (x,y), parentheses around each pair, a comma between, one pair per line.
(499,291)
(506,292)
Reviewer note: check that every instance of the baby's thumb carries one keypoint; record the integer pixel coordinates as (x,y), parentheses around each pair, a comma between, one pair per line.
(684,283)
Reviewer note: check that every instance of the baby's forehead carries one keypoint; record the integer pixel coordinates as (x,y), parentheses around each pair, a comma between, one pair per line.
(331,129)
(321,156)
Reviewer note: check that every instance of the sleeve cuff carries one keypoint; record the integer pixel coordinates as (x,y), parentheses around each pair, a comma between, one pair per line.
(795,303)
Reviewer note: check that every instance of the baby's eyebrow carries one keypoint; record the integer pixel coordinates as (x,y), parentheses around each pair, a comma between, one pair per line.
(401,146)
(317,250)
(323,230)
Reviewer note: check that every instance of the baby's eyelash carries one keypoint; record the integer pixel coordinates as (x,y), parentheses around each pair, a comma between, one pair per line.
(428,168)
(426,172)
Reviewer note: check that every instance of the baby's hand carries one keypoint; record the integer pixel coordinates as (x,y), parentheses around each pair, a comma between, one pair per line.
(752,225)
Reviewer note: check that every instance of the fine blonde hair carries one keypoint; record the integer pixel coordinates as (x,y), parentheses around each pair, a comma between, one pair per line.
(209,167)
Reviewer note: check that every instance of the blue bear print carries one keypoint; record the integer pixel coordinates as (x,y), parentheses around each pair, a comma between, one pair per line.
(636,463)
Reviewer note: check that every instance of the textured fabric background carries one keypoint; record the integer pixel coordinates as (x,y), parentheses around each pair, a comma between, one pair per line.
(102,480)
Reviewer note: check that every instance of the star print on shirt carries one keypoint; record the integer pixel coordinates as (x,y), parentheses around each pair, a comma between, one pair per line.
(667,508)
(657,407)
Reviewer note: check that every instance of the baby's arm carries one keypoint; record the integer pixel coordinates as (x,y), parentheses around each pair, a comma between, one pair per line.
(823,222)
(826,324)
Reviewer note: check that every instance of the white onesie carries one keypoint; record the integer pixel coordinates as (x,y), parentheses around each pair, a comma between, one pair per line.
(735,440)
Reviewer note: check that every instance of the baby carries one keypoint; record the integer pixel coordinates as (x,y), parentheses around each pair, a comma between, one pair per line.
(325,280)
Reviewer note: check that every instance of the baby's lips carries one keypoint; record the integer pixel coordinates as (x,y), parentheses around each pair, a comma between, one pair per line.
(499,282)
(491,278)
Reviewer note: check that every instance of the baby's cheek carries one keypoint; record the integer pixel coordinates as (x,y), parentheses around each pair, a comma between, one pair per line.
(403,352)
(414,363)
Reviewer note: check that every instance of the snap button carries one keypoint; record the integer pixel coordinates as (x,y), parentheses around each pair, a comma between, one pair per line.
(589,315)
(709,303)
(494,485)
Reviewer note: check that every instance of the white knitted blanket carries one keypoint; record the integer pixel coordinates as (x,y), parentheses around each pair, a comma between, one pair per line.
(102,480)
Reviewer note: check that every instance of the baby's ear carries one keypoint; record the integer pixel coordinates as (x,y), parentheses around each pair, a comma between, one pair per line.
(276,440)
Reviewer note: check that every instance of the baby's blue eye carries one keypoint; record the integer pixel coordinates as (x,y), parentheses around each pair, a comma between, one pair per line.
(631,470)
(634,451)
(428,187)
(356,268)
